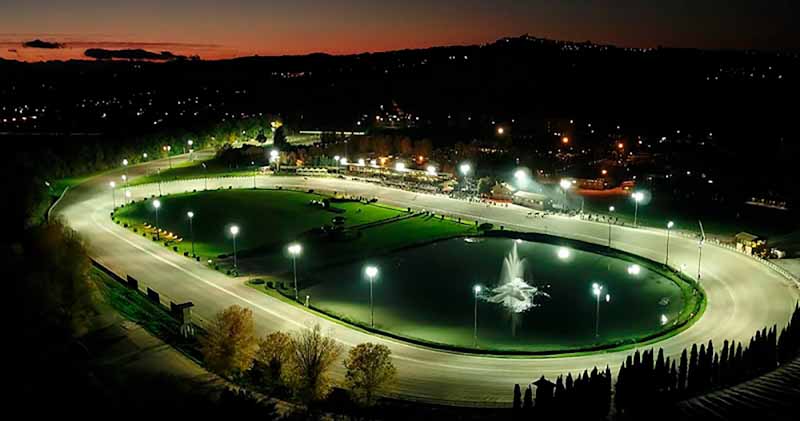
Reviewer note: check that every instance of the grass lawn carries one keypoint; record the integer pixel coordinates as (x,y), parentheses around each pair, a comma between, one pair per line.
(266,218)
(194,169)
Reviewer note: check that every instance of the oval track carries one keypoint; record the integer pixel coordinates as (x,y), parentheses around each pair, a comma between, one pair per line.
(743,295)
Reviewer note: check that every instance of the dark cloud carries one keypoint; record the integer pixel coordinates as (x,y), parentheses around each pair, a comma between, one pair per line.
(131,54)
(37,43)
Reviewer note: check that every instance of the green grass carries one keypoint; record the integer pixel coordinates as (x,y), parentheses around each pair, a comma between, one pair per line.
(194,169)
(266,218)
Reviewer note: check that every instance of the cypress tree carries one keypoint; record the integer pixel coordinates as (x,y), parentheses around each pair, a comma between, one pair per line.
(723,364)
(739,363)
(691,381)
(559,397)
(606,406)
(527,401)
(700,378)
(661,371)
(683,370)
(517,397)
(714,382)
(673,378)
(620,389)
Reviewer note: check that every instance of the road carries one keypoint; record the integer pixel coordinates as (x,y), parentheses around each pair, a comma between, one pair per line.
(743,294)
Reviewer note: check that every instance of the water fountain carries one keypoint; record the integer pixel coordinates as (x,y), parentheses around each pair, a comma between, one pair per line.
(516,295)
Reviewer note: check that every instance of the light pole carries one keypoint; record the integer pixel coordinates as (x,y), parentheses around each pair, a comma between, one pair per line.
(190,142)
(699,258)
(565,185)
(156,206)
(125,164)
(610,211)
(205,175)
(127,196)
(597,290)
(637,197)
(167,149)
(294,250)
(274,156)
(190,214)
(465,169)
(371,272)
(253,163)
(234,232)
(477,290)
(670,224)
(144,156)
(113,185)
(125,180)
(158,171)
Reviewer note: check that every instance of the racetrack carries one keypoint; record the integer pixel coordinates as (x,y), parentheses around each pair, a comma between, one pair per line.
(743,294)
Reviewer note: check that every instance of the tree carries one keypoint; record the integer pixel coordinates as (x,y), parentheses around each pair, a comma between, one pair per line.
(311,357)
(273,351)
(527,400)
(231,343)
(517,404)
(369,368)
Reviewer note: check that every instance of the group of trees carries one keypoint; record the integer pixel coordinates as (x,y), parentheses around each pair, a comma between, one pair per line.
(587,396)
(299,362)
(648,378)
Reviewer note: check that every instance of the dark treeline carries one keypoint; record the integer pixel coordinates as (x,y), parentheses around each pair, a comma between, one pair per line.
(648,379)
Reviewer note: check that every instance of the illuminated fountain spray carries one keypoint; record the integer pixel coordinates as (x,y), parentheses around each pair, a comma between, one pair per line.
(513,292)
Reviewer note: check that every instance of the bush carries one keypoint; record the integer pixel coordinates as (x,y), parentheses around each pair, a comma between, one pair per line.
(486,226)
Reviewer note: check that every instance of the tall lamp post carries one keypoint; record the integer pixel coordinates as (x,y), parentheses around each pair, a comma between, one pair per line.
(597,290)
(190,214)
(371,272)
(294,250)
(125,180)
(167,149)
(125,165)
(190,142)
(637,197)
(565,185)
(127,196)
(253,163)
(670,224)
(611,210)
(156,206)
(477,290)
(113,186)
(205,175)
(465,170)
(234,233)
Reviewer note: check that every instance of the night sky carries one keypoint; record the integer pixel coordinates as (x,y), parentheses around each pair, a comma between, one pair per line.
(217,29)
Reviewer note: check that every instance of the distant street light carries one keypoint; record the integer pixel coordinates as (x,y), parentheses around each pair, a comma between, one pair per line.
(190,142)
(565,140)
(371,272)
(113,185)
(477,290)
(400,167)
(205,175)
(637,197)
(144,156)
(234,233)
(125,180)
(670,224)
(610,211)
(190,214)
(294,250)
(431,170)
(255,172)
(156,206)
(500,131)
(127,196)
(565,185)
(597,290)
(167,149)
(465,170)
